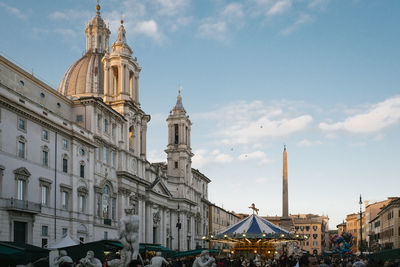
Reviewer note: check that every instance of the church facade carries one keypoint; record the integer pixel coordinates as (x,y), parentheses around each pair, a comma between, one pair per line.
(72,160)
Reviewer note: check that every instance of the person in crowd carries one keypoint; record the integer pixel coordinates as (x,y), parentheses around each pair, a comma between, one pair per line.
(308,260)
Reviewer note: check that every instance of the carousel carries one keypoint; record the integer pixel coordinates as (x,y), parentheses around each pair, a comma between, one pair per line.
(256,237)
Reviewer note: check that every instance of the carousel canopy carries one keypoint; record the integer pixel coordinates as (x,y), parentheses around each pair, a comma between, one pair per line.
(254,227)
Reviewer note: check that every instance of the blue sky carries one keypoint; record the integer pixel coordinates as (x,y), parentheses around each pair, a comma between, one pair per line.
(321,76)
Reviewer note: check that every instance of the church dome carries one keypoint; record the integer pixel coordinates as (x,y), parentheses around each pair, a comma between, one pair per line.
(84,77)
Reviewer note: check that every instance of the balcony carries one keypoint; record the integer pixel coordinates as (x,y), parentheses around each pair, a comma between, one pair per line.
(23,205)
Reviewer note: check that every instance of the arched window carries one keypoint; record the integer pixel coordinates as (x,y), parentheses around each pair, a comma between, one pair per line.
(131,132)
(106,202)
(114,81)
(82,169)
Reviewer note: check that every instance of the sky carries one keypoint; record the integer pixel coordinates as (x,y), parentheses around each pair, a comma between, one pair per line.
(321,76)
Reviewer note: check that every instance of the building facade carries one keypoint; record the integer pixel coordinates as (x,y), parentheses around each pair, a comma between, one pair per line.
(313,227)
(389,223)
(219,220)
(72,160)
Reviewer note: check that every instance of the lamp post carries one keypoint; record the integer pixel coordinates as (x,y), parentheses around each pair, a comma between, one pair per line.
(361,247)
(178,225)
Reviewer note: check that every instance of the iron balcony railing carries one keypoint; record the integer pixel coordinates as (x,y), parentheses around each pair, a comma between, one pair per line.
(23,205)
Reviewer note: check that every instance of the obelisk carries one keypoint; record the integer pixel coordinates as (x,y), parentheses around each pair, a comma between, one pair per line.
(285,220)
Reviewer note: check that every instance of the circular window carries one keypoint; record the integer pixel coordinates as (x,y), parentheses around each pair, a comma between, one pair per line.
(82,152)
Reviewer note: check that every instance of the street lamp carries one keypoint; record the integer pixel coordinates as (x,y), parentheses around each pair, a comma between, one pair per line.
(361,247)
(179,225)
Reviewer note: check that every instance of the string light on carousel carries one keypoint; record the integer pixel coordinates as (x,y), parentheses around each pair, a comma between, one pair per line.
(257,237)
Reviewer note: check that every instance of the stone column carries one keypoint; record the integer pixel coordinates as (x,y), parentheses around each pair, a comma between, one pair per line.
(141,213)
(106,80)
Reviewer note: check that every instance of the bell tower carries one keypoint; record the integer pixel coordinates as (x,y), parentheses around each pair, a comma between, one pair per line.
(121,71)
(179,152)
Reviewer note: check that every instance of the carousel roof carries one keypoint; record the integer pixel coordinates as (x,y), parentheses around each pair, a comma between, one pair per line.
(254,226)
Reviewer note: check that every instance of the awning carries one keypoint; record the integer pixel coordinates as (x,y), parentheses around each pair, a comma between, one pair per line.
(194,252)
(12,253)
(254,226)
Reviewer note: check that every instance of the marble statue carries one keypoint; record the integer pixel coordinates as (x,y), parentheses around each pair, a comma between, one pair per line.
(90,260)
(129,236)
(158,260)
(63,259)
(204,260)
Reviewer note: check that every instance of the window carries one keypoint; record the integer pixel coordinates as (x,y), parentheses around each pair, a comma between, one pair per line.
(315,228)
(106,202)
(45,195)
(113,208)
(114,126)
(131,133)
(105,155)
(97,153)
(105,126)
(64,199)
(22,124)
(82,151)
(307,228)
(45,135)
(64,231)
(82,170)
(105,235)
(45,156)
(315,236)
(65,143)
(112,156)
(176,165)
(79,118)
(44,242)
(99,122)
(21,189)
(176,134)
(65,165)
(82,203)
(98,204)
(45,230)
(21,148)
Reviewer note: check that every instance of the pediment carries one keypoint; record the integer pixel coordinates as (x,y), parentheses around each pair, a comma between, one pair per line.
(159,187)
(22,171)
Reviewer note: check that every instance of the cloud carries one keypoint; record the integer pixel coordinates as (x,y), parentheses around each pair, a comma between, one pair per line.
(251,122)
(58,15)
(213,30)
(234,10)
(279,7)
(203,157)
(373,120)
(71,15)
(303,19)
(66,33)
(170,7)
(317,4)
(260,156)
(156,156)
(13,11)
(150,29)
(308,143)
